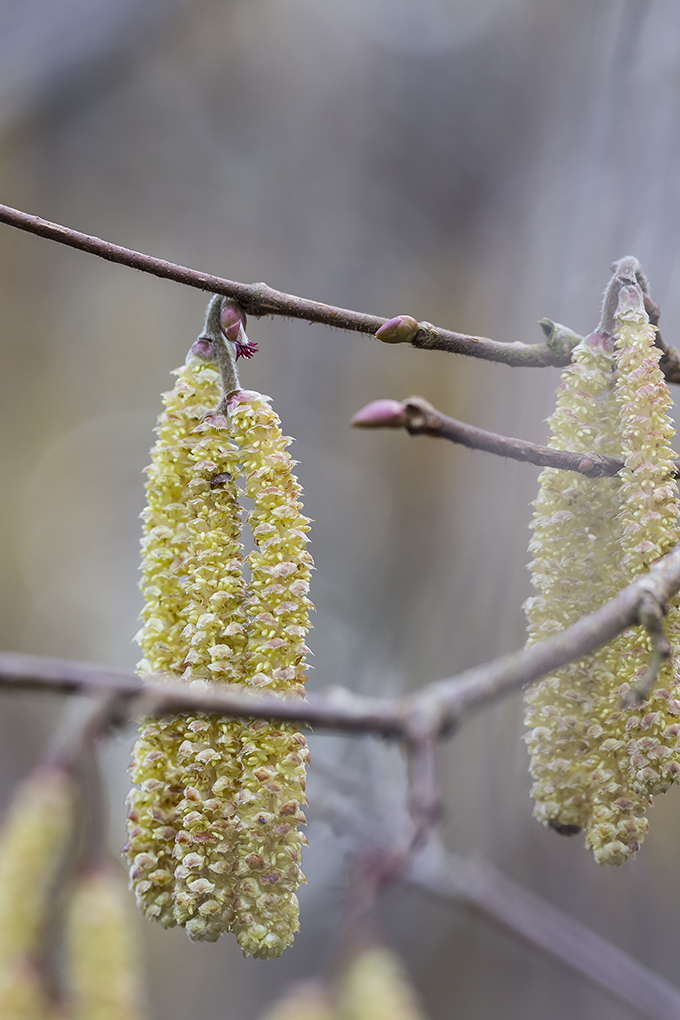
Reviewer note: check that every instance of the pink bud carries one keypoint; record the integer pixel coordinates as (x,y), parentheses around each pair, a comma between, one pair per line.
(380,414)
(400,330)
(232,319)
(203,348)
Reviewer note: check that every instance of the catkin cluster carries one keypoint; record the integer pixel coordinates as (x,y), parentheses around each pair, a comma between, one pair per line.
(213,843)
(595,763)
(372,986)
(101,980)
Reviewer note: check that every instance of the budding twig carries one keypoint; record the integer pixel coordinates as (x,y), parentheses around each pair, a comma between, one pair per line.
(259,299)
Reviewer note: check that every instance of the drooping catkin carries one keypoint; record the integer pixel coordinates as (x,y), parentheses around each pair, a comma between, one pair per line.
(637,754)
(375,987)
(213,840)
(309,1000)
(33,840)
(153,805)
(102,956)
(273,756)
(574,546)
(598,765)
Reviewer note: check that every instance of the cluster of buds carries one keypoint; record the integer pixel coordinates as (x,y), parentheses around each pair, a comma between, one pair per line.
(597,755)
(101,963)
(371,986)
(213,843)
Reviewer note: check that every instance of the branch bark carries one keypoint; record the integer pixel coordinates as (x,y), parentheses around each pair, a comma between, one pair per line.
(437,708)
(259,299)
(420,418)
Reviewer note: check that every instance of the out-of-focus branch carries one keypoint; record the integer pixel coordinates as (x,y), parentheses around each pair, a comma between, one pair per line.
(479,885)
(259,299)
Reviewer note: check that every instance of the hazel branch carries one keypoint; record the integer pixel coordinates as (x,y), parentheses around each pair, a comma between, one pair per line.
(420,418)
(651,615)
(259,299)
(477,884)
(441,704)
(457,696)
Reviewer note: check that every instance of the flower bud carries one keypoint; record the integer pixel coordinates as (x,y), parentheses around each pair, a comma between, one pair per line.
(232,319)
(381,414)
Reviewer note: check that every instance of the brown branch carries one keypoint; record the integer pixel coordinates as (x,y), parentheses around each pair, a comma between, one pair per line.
(437,708)
(479,885)
(420,418)
(468,691)
(259,299)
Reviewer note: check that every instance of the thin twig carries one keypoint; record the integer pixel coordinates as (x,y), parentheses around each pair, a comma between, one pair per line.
(420,418)
(259,299)
(479,885)
(651,615)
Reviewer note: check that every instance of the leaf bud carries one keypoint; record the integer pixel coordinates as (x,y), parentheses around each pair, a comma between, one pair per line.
(400,330)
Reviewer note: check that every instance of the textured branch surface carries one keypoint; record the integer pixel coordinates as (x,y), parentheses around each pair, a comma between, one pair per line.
(479,885)
(420,418)
(259,299)
(436,707)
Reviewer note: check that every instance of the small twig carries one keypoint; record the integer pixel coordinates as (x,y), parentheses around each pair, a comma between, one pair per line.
(259,299)
(419,417)
(479,885)
(424,800)
(651,615)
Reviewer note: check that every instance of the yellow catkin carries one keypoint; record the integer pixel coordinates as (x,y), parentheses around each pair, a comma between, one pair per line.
(638,748)
(596,763)
(215,635)
(153,806)
(33,841)
(309,1000)
(273,757)
(573,570)
(375,987)
(103,959)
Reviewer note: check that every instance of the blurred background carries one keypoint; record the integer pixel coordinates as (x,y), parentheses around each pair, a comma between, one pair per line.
(477,163)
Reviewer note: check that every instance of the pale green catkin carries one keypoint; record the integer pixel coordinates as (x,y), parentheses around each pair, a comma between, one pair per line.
(375,987)
(103,957)
(213,839)
(596,763)
(154,804)
(273,756)
(573,571)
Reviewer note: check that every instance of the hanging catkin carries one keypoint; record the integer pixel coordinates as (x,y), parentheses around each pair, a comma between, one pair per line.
(595,762)
(213,840)
(102,958)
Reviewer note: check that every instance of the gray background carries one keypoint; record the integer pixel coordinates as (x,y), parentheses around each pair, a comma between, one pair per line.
(478,163)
